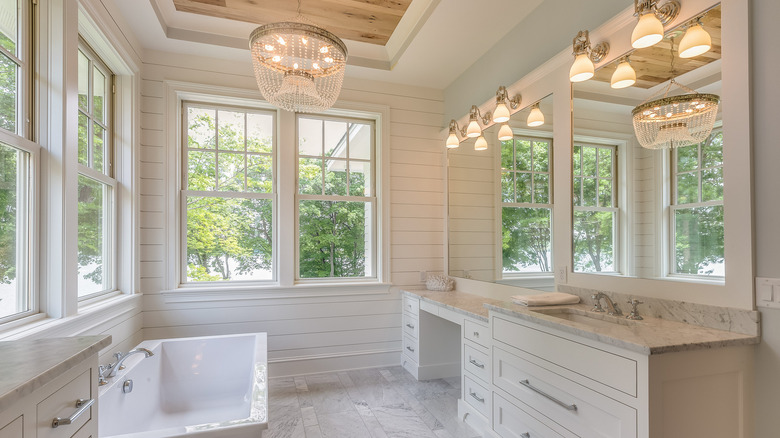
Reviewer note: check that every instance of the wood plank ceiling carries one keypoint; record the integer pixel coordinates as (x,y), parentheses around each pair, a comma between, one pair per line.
(652,64)
(370,21)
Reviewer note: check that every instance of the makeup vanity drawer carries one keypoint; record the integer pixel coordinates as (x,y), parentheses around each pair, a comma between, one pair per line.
(476,363)
(476,333)
(477,396)
(411,305)
(411,325)
(73,401)
(411,349)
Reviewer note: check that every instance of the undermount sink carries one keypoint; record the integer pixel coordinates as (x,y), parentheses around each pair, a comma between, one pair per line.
(586,317)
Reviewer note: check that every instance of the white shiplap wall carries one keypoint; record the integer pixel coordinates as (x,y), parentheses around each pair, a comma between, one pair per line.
(322,329)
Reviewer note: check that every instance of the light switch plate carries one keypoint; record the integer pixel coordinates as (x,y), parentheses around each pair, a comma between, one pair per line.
(768,292)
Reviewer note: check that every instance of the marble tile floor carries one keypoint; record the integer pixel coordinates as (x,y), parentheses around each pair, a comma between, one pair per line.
(367,403)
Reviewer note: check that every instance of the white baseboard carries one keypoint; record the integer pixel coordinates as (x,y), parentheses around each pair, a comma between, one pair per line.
(428,372)
(296,366)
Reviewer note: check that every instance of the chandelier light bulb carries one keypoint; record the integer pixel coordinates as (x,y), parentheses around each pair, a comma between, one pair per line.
(505,133)
(452,141)
(582,69)
(648,31)
(473,130)
(535,117)
(480,144)
(624,75)
(695,42)
(501,114)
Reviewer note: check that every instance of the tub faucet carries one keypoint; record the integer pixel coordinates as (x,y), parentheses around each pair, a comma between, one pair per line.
(612,308)
(110,370)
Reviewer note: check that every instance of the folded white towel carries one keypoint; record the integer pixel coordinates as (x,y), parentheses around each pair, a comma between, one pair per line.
(545,299)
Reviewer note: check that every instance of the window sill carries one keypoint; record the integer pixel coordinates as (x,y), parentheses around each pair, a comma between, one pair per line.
(194,294)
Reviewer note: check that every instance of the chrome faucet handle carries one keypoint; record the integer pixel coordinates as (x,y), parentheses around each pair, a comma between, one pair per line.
(101,378)
(596,304)
(118,355)
(634,313)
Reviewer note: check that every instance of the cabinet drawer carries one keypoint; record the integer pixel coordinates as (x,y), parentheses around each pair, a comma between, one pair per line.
(13,429)
(513,422)
(411,305)
(476,332)
(411,325)
(582,411)
(62,404)
(477,396)
(602,366)
(476,363)
(411,349)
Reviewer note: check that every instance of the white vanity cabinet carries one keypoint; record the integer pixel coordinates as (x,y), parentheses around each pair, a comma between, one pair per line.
(56,393)
(431,340)
(547,382)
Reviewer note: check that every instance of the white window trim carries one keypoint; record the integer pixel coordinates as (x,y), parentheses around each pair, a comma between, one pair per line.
(177,92)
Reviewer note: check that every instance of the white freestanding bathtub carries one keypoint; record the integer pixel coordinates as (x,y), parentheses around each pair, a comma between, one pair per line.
(213,386)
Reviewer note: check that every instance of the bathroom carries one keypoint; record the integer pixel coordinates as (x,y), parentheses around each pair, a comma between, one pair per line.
(163,59)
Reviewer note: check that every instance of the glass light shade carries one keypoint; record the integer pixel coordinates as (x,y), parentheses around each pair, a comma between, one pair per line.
(648,31)
(480,144)
(695,42)
(473,129)
(501,114)
(582,69)
(505,133)
(624,76)
(535,117)
(452,141)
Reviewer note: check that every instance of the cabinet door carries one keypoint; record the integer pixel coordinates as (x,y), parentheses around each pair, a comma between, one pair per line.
(13,429)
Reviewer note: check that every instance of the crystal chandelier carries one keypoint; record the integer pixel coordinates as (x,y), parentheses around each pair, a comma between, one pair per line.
(298,66)
(675,121)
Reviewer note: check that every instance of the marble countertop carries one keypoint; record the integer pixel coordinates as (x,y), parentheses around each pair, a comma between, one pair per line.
(29,364)
(648,336)
(461,302)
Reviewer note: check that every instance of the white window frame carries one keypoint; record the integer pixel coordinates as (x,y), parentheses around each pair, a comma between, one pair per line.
(184,193)
(106,178)
(508,276)
(24,78)
(371,254)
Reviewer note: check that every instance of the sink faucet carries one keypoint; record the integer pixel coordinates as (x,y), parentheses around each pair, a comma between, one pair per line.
(110,370)
(612,308)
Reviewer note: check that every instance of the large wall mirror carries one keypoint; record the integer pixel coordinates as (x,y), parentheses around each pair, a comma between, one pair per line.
(500,202)
(649,213)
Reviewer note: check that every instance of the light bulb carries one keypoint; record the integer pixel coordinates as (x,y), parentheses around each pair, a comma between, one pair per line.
(505,133)
(269,47)
(473,130)
(535,117)
(480,144)
(648,31)
(452,141)
(624,76)
(501,114)
(695,42)
(582,69)
(281,41)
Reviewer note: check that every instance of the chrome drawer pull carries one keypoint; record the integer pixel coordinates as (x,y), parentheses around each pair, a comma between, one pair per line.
(476,397)
(477,364)
(476,334)
(571,407)
(525,435)
(82,405)
(410,326)
(410,348)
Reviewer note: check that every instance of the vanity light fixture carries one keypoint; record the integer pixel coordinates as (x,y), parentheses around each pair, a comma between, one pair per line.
(649,29)
(505,133)
(624,75)
(584,57)
(475,116)
(502,111)
(480,144)
(452,140)
(695,42)
(535,117)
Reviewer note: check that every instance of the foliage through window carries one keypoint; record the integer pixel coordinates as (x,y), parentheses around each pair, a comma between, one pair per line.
(526,211)
(697,208)
(228,196)
(13,64)
(336,198)
(595,208)
(96,182)
(15,291)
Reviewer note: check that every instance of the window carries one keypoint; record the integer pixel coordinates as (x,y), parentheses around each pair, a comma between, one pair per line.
(336,198)
(526,210)
(595,209)
(96,183)
(13,65)
(697,208)
(228,197)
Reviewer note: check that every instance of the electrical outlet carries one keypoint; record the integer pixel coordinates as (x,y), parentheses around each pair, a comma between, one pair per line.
(561,277)
(423,276)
